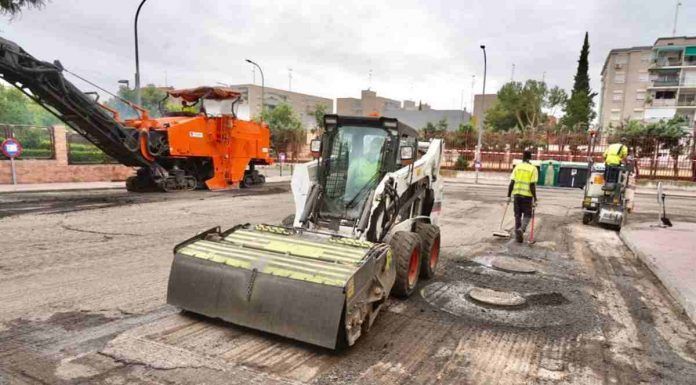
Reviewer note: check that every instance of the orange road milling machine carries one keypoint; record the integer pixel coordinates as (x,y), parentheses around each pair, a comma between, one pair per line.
(184,150)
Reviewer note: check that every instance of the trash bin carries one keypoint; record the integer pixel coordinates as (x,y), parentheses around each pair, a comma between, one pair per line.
(572,174)
(548,173)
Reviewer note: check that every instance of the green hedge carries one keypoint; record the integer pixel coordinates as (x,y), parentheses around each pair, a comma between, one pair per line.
(89,157)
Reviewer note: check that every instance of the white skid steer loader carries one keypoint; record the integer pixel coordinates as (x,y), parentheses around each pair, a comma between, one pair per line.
(365,226)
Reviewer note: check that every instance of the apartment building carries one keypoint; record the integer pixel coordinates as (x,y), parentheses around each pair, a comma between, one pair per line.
(625,83)
(304,105)
(417,115)
(649,83)
(368,104)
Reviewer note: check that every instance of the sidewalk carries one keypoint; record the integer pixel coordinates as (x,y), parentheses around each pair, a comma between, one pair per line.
(669,253)
(502,178)
(42,187)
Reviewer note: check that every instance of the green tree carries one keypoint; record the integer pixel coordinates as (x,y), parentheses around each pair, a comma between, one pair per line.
(286,128)
(579,110)
(150,97)
(13,7)
(318,113)
(437,130)
(519,105)
(17,108)
(557,97)
(672,136)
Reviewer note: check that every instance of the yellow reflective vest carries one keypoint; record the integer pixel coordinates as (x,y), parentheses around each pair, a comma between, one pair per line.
(615,154)
(524,175)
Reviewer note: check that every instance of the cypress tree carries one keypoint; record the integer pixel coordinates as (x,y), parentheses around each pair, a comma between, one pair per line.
(580,107)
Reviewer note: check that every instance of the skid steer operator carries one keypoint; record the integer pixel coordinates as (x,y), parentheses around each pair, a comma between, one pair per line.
(523,188)
(614,156)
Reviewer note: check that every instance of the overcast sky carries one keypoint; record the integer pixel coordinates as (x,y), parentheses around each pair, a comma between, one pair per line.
(420,50)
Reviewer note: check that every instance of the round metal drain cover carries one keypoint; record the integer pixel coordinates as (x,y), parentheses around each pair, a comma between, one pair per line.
(513,265)
(497,298)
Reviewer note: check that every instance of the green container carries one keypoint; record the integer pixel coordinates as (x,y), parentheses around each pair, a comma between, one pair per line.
(548,173)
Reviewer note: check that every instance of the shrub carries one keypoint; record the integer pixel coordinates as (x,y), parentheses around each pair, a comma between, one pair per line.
(461,163)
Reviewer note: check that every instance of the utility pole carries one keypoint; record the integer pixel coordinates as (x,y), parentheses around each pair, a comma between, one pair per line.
(289,79)
(369,80)
(263,96)
(473,84)
(137,57)
(676,15)
(477,163)
(512,75)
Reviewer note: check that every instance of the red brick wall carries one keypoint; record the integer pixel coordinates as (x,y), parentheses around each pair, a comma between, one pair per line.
(58,169)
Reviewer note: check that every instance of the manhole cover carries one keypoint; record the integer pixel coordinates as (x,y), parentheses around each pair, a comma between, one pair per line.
(513,265)
(497,298)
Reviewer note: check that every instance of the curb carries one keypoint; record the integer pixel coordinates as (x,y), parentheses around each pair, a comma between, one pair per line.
(686,306)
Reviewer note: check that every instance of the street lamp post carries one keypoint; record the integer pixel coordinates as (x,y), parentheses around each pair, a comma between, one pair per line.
(137,56)
(263,99)
(124,81)
(477,163)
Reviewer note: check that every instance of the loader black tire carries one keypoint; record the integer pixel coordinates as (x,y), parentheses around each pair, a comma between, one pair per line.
(587,218)
(430,248)
(406,253)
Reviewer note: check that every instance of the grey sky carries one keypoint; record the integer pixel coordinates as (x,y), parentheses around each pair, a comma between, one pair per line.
(421,50)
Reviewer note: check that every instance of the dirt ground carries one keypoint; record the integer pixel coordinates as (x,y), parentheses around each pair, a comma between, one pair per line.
(83,280)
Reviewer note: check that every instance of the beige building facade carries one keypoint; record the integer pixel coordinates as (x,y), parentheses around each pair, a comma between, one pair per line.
(649,83)
(482,103)
(368,104)
(304,105)
(625,83)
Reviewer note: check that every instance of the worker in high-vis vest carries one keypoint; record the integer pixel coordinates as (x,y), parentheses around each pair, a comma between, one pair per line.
(614,157)
(523,190)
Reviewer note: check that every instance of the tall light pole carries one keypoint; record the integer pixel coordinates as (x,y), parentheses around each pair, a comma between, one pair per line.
(477,164)
(263,99)
(137,56)
(676,15)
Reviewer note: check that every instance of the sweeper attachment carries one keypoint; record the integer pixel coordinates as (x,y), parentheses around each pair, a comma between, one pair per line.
(365,226)
(500,232)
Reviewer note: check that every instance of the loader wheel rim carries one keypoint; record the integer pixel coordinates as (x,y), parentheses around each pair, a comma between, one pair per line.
(413,268)
(434,253)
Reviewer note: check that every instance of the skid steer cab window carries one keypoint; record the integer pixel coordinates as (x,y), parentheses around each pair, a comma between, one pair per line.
(353,168)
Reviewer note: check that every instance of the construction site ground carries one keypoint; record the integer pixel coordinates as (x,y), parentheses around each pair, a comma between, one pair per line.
(83,277)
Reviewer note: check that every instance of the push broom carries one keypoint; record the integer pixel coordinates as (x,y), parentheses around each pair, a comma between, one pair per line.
(502,233)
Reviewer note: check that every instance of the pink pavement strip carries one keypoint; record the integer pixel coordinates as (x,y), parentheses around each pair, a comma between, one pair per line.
(671,254)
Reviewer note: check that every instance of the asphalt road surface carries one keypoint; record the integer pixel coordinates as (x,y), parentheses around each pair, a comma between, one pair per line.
(83,280)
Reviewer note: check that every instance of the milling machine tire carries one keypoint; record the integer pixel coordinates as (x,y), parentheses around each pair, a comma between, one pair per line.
(430,248)
(406,249)
(587,218)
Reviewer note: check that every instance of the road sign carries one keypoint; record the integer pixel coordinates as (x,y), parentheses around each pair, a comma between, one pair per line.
(11,148)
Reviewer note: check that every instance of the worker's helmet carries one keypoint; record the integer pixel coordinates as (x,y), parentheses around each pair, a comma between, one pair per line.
(527,155)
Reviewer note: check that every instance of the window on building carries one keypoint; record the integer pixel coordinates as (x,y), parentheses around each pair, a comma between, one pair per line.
(644,78)
(617,96)
(616,115)
(665,94)
(645,57)
(619,78)
(640,95)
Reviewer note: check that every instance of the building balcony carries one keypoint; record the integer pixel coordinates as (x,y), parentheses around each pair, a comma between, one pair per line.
(663,103)
(666,82)
(666,62)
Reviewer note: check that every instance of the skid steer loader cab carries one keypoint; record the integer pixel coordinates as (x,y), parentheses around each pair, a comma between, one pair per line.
(366,211)
(357,153)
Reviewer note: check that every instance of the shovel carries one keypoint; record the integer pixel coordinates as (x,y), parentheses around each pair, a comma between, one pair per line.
(531,231)
(502,233)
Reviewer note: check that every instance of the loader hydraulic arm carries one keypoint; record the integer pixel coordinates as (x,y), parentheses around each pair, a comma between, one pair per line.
(44,83)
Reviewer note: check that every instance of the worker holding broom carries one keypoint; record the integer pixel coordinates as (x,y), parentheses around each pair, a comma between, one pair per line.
(523,189)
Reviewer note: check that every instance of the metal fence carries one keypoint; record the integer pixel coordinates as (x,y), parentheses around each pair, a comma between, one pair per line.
(37,142)
(81,151)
